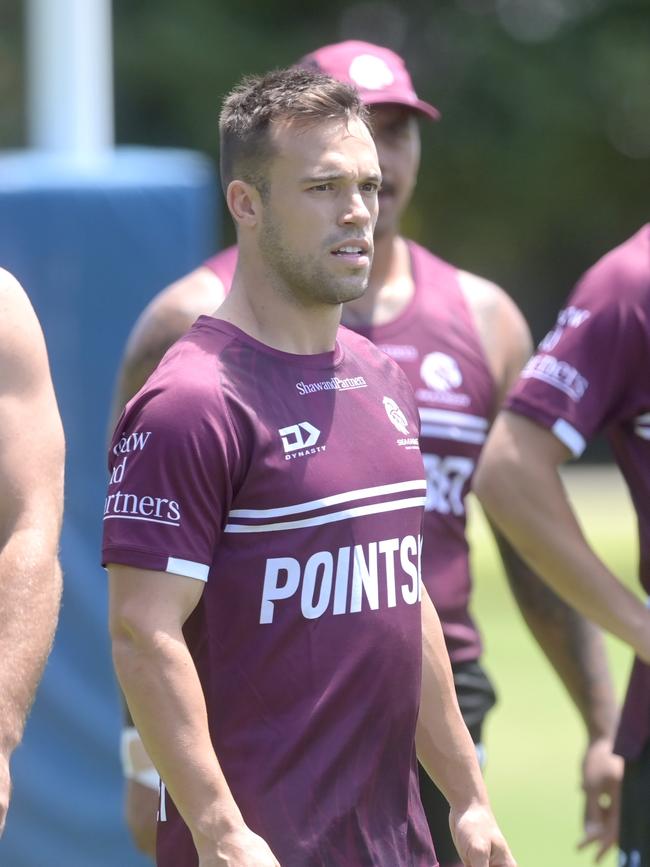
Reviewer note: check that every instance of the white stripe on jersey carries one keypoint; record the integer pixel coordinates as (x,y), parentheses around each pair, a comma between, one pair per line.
(568,435)
(317,520)
(334,500)
(456,419)
(643,419)
(450,432)
(188,568)
(643,432)
(445,424)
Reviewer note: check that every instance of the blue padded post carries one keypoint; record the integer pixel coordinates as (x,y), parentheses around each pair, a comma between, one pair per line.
(91,248)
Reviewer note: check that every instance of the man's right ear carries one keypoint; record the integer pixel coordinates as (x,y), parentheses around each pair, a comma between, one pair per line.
(244,203)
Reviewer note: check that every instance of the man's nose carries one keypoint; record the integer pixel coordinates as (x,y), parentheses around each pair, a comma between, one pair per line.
(357,210)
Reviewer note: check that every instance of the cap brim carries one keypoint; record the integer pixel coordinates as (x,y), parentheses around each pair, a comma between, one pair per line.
(419,105)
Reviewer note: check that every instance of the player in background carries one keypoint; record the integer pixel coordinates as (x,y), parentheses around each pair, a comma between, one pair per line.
(591,374)
(462,342)
(263,550)
(31,505)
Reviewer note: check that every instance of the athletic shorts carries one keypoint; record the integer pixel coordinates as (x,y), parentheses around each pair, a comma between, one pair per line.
(475,697)
(634,835)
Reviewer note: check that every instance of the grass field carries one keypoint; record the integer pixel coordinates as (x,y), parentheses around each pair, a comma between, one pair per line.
(534,737)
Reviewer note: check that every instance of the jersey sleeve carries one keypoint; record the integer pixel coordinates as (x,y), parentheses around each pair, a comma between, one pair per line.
(171,462)
(577,382)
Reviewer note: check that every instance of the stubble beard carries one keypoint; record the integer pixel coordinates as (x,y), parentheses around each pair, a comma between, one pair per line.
(299,279)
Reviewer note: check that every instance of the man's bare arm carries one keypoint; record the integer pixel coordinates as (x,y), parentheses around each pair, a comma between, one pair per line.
(161,684)
(572,644)
(31,504)
(447,752)
(165,319)
(520,487)
(162,323)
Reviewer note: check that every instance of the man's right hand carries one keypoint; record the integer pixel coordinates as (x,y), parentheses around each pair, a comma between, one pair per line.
(140,811)
(238,848)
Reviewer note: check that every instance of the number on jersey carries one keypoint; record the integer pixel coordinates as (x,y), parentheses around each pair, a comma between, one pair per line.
(446,478)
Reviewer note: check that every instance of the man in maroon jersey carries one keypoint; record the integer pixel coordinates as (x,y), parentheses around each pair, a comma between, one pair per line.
(262,535)
(590,374)
(31,506)
(462,342)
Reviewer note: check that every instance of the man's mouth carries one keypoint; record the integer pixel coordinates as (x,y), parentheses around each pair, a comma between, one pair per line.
(352,250)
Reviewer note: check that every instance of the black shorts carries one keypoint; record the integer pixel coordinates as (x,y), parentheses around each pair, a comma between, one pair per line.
(475,696)
(634,835)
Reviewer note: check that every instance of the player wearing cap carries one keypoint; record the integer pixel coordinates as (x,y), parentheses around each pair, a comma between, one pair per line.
(590,374)
(461,342)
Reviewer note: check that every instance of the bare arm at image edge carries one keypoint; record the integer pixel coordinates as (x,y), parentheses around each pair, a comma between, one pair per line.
(31,504)
(447,752)
(572,644)
(165,319)
(519,484)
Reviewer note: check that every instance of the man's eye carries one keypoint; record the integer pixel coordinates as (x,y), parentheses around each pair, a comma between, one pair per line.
(370,187)
(320,188)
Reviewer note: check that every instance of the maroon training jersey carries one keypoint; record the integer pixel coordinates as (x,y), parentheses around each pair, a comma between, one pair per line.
(436,344)
(293,486)
(592,373)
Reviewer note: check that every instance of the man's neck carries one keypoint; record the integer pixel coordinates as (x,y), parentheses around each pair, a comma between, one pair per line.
(390,287)
(274,320)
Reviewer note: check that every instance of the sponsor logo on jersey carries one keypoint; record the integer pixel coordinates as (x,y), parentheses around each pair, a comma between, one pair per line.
(448,398)
(132,442)
(440,372)
(570,317)
(333,384)
(351,580)
(299,440)
(399,352)
(138,507)
(131,506)
(558,374)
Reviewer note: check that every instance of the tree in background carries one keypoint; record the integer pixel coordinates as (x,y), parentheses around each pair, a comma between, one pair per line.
(541,161)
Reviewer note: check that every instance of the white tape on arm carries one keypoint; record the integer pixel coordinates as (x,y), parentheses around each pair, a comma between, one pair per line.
(136,764)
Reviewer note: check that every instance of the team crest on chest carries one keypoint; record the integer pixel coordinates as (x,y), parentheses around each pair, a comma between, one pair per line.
(442,376)
(400,422)
(440,372)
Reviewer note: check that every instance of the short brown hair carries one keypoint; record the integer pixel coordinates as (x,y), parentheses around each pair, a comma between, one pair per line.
(294,94)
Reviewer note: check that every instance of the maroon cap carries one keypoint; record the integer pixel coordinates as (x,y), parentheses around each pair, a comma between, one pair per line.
(378,73)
